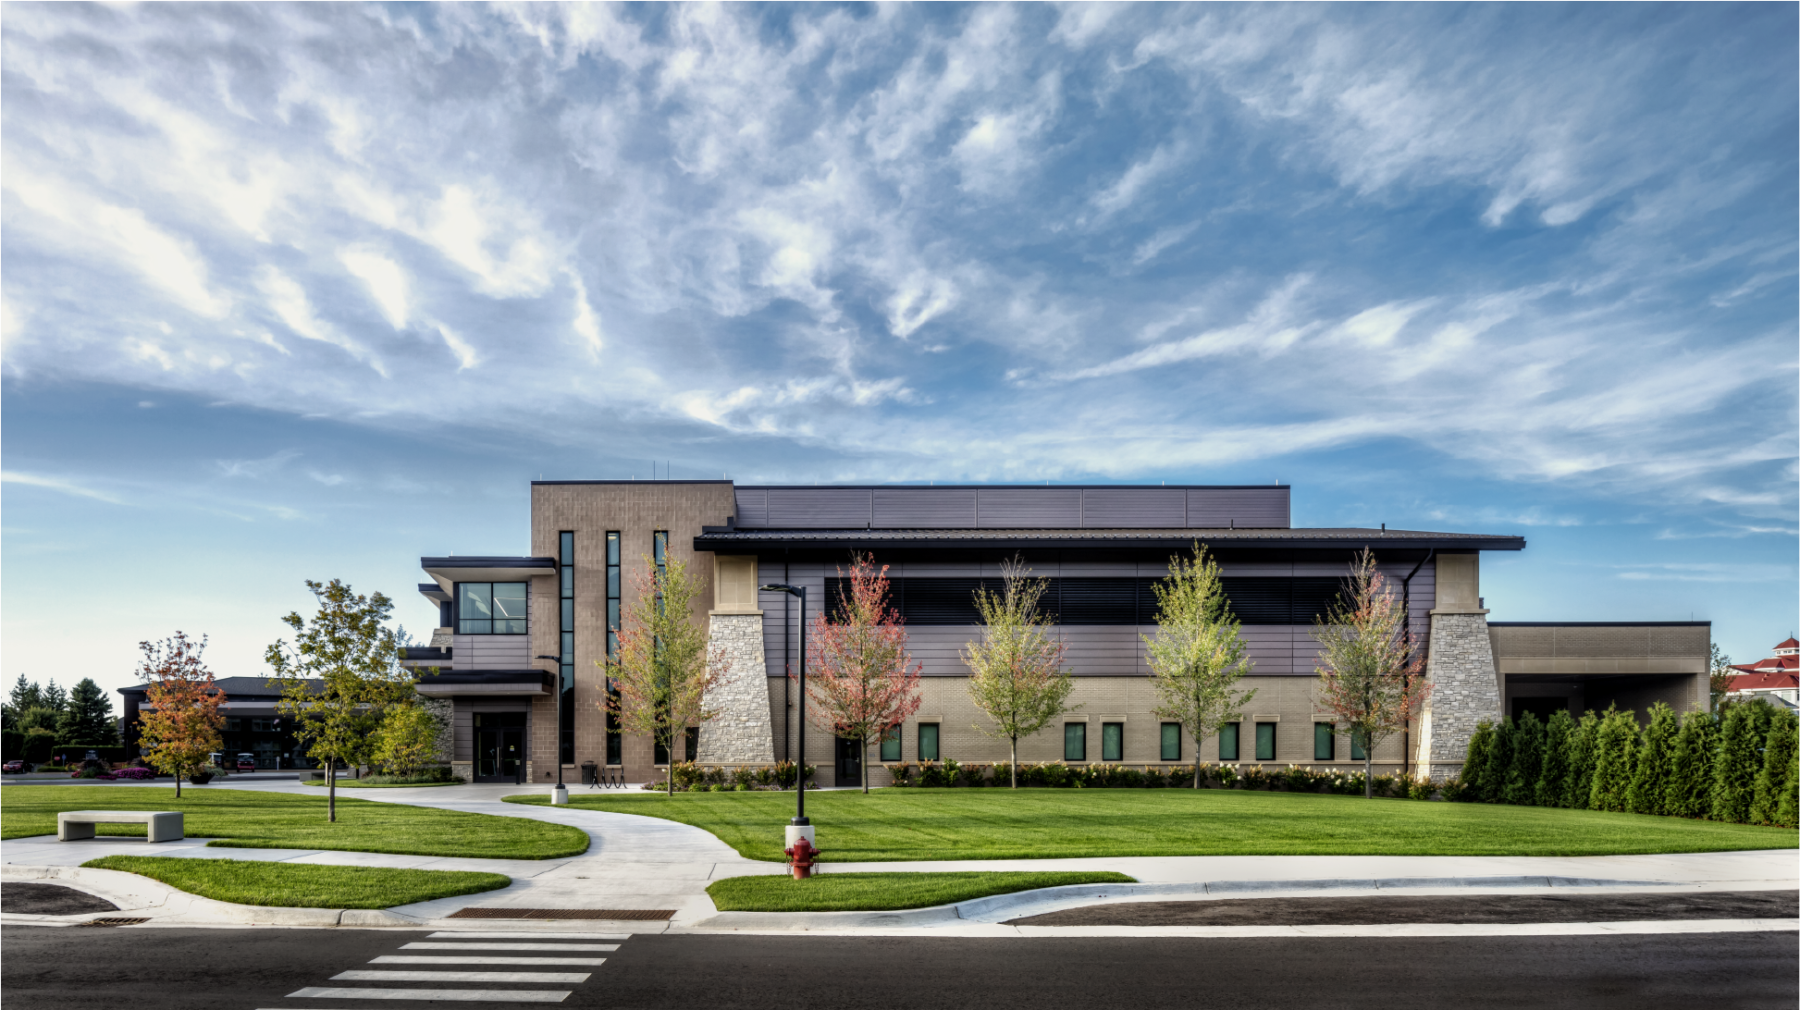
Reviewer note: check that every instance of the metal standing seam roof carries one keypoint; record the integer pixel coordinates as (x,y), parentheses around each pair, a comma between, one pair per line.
(1257,536)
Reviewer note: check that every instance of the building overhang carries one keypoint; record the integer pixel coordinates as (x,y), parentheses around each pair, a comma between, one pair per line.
(487,684)
(447,572)
(731,540)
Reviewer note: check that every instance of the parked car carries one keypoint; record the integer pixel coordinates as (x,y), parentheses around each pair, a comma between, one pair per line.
(246,762)
(14,766)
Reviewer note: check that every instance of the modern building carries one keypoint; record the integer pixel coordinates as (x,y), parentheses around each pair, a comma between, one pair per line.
(516,630)
(1775,679)
(253,724)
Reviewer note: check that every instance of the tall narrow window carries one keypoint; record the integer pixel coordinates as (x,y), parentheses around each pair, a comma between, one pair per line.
(1074,741)
(692,747)
(890,744)
(615,739)
(928,741)
(1228,742)
(566,622)
(1265,741)
(1112,741)
(1171,741)
(1324,741)
(1356,747)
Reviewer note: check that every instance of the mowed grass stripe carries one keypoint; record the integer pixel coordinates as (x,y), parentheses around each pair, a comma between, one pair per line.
(869,892)
(891,825)
(241,818)
(303,885)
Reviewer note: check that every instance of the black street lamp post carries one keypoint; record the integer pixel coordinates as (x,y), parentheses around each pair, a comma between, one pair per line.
(561,796)
(800,767)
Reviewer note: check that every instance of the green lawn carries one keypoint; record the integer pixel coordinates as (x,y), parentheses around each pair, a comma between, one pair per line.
(290,885)
(869,892)
(910,824)
(241,818)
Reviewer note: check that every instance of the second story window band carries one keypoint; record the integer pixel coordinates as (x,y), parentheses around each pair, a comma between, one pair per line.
(490,608)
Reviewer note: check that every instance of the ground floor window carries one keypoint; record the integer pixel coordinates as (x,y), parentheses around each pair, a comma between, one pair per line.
(1228,742)
(1074,741)
(1357,751)
(890,744)
(1171,741)
(692,740)
(1265,741)
(928,741)
(1112,741)
(615,740)
(1324,741)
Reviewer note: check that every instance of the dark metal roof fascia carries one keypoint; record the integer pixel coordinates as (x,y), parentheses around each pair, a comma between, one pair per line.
(432,591)
(1012,487)
(741,541)
(665,480)
(475,562)
(1599,624)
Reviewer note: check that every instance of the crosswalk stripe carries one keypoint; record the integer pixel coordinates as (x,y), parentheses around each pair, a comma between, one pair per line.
(540,977)
(458,995)
(522,935)
(579,947)
(476,959)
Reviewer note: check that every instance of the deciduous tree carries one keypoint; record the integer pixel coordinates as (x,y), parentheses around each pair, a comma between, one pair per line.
(340,676)
(408,739)
(1196,656)
(1369,665)
(179,727)
(1719,675)
(860,677)
(1016,674)
(663,669)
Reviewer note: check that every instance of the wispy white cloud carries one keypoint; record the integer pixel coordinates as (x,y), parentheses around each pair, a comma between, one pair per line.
(59,484)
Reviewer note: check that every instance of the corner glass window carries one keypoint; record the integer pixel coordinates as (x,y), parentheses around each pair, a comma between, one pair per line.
(1171,741)
(490,608)
(1265,741)
(890,744)
(928,741)
(1112,741)
(1324,741)
(1228,742)
(1074,741)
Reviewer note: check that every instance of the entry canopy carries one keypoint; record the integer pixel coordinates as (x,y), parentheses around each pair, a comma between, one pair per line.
(447,572)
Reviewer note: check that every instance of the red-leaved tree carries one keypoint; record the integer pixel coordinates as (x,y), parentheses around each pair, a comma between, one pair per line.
(181,725)
(860,678)
(1369,665)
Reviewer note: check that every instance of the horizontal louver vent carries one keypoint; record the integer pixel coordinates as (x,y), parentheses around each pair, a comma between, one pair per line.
(944,601)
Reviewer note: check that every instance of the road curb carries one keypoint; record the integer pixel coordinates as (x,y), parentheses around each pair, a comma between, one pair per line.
(143,897)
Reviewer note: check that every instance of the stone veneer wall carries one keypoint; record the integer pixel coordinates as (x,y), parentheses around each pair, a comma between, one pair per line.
(1464,691)
(740,732)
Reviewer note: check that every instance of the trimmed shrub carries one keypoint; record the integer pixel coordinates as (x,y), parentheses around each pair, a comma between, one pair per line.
(1581,761)
(1474,769)
(1500,754)
(1452,791)
(1655,763)
(1553,772)
(1777,778)
(39,743)
(1520,785)
(1739,760)
(969,774)
(1615,760)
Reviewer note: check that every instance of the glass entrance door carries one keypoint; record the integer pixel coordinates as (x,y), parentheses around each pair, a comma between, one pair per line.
(500,747)
(849,762)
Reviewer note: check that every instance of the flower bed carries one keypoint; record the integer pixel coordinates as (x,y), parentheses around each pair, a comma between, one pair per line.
(692,777)
(1062,775)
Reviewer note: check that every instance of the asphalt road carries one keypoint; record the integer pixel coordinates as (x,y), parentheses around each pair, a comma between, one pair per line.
(1403,908)
(251,969)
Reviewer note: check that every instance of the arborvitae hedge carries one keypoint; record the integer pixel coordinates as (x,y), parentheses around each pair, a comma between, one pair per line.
(1581,761)
(1688,793)
(1615,760)
(1553,780)
(1655,762)
(1527,762)
(1740,758)
(1500,755)
(1474,769)
(1773,801)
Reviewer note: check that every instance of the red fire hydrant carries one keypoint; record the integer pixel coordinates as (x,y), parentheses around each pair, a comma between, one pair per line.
(800,857)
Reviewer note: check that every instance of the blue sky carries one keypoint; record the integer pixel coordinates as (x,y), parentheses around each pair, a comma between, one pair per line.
(309,291)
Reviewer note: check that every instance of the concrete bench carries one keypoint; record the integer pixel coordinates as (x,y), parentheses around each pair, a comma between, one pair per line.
(162,825)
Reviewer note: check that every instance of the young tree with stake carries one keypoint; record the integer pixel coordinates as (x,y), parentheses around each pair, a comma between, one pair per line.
(181,724)
(1369,666)
(861,680)
(349,649)
(1196,656)
(663,669)
(1016,676)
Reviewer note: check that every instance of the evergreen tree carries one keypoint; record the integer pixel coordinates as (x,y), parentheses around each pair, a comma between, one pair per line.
(1655,763)
(1615,759)
(87,718)
(1777,779)
(1493,777)
(1688,793)
(1553,776)
(26,694)
(55,698)
(1739,760)
(1481,748)
(1581,761)
(1527,762)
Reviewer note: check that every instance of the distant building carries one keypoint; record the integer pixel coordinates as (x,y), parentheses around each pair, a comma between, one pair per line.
(1776,679)
(253,725)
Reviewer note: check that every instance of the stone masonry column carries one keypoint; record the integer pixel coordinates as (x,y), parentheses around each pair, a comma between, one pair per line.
(741,732)
(1464,686)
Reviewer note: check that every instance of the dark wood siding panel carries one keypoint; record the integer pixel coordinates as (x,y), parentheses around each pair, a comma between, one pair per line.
(1134,508)
(462,730)
(822,508)
(1245,508)
(925,508)
(752,507)
(1028,508)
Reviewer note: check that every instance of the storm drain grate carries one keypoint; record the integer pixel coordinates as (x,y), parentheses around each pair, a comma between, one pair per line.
(639,914)
(113,922)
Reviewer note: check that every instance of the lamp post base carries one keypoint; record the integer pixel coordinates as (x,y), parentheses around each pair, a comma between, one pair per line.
(559,797)
(795,832)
